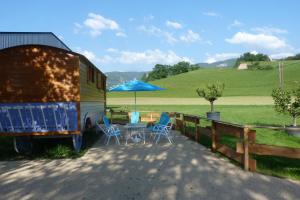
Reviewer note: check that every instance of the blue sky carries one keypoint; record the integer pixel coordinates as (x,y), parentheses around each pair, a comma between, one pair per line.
(134,35)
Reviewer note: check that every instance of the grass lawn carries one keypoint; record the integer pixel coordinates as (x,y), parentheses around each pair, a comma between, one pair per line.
(47,148)
(237,82)
(246,115)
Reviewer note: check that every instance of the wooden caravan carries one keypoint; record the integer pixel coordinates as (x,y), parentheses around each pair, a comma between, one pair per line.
(46,89)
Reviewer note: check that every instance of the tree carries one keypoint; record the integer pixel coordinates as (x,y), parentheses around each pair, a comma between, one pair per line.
(211,93)
(179,68)
(285,104)
(249,57)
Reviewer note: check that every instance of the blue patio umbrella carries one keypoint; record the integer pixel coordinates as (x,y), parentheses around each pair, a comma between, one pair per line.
(135,86)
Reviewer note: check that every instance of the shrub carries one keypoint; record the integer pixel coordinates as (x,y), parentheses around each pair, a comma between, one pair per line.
(286,104)
(211,93)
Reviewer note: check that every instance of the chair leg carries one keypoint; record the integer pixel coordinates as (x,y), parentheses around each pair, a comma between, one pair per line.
(108,140)
(117,140)
(158,139)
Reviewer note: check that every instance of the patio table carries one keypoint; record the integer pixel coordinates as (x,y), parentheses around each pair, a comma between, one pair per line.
(136,130)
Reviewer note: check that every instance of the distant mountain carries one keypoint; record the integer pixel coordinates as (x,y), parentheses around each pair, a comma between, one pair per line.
(115,78)
(224,63)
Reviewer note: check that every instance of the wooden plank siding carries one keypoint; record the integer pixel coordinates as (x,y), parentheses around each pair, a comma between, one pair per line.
(92,94)
(36,73)
(88,89)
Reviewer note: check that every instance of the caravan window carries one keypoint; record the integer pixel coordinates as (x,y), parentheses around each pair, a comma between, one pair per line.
(90,74)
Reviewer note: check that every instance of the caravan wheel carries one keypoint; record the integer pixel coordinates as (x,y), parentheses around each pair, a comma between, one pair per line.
(23,144)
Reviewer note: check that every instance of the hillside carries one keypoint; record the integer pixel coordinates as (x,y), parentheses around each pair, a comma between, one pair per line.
(237,82)
(115,78)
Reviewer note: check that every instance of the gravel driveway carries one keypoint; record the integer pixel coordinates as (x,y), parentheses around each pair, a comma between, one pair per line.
(185,170)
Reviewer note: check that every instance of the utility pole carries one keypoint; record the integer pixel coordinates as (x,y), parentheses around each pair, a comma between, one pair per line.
(280,69)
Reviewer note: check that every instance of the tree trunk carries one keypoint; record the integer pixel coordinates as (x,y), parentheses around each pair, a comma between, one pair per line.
(211,106)
(294,121)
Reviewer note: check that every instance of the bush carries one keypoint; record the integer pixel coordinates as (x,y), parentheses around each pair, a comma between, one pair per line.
(211,93)
(286,104)
(258,66)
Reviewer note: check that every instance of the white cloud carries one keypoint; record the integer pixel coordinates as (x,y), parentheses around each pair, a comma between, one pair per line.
(133,60)
(121,34)
(261,41)
(211,14)
(112,50)
(151,57)
(89,54)
(190,37)
(236,23)
(96,24)
(220,57)
(131,19)
(154,31)
(269,30)
(77,27)
(173,24)
(254,52)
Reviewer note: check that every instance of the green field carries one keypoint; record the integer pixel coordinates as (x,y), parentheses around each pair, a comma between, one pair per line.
(247,115)
(237,82)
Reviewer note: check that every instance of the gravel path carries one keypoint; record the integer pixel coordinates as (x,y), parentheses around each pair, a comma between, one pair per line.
(184,170)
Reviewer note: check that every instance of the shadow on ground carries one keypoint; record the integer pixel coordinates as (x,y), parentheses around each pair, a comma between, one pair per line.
(184,170)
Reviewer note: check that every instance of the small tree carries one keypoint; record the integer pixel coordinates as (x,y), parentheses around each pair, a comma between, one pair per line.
(286,104)
(211,93)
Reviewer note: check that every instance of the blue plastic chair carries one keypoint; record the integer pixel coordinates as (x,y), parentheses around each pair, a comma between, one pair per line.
(134,117)
(162,128)
(110,131)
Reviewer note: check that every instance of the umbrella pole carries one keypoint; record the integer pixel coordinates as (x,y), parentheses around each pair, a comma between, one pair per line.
(134,101)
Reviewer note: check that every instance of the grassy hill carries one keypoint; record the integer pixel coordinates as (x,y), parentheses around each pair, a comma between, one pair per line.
(237,82)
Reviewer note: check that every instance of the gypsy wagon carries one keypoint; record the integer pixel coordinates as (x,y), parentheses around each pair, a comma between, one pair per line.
(46,90)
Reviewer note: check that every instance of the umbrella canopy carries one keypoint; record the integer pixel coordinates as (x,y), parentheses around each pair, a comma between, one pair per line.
(135,86)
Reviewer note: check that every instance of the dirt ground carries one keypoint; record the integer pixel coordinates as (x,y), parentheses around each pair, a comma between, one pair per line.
(183,170)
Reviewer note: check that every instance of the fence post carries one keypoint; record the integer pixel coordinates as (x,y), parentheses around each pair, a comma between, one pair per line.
(213,136)
(111,116)
(197,133)
(183,128)
(246,148)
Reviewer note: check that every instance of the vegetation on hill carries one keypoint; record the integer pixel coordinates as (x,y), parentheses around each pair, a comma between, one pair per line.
(249,57)
(163,71)
(238,82)
(296,57)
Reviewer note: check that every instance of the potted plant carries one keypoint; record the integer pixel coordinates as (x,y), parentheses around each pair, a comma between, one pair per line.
(211,93)
(288,102)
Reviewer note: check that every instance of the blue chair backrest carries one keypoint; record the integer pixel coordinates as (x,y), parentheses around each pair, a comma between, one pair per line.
(134,117)
(106,121)
(164,119)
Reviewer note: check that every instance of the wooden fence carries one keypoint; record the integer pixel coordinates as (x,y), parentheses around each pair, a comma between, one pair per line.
(245,140)
(122,117)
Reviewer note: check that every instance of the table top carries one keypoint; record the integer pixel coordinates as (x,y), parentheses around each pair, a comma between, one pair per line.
(138,125)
